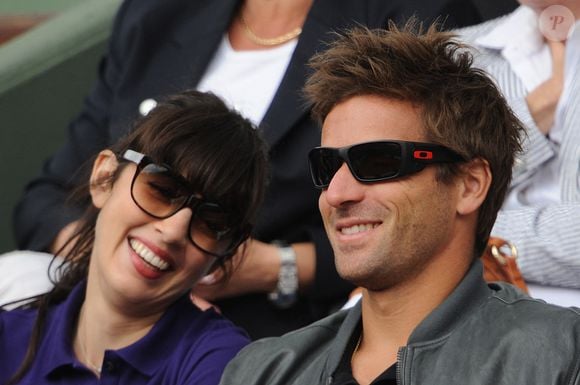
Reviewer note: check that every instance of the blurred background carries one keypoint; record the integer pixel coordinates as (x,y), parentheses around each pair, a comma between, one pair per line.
(49,51)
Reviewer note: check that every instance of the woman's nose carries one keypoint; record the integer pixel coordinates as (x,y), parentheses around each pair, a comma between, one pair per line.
(175,229)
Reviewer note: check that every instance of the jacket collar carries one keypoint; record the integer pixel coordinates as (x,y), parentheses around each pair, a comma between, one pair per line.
(199,36)
(289,106)
(467,296)
(518,30)
(348,327)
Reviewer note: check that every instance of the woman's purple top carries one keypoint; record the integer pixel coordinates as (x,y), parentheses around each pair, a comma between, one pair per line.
(186,346)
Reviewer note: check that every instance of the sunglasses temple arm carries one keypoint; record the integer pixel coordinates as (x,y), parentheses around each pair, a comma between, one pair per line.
(435,154)
(133,156)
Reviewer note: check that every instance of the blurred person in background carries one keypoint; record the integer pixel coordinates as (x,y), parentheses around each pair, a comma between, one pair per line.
(252,53)
(533,54)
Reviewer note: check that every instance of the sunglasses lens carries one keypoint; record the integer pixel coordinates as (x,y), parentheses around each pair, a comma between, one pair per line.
(375,161)
(211,229)
(157,191)
(324,163)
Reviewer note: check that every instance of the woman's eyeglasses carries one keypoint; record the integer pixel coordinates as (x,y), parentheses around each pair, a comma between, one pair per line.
(159,192)
(377,161)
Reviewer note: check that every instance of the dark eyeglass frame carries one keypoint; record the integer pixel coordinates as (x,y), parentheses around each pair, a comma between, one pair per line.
(414,157)
(192,201)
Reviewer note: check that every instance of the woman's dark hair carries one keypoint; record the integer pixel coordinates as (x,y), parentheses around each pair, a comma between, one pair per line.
(219,153)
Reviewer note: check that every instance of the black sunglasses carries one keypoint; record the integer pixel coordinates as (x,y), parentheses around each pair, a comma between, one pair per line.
(377,161)
(161,193)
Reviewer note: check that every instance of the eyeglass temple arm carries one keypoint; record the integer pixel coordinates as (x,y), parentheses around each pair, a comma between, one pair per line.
(133,156)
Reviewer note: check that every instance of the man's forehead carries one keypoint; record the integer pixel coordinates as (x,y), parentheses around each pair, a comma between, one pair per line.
(370,118)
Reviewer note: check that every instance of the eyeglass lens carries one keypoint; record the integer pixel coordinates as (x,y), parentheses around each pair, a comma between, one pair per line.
(375,160)
(160,194)
(157,192)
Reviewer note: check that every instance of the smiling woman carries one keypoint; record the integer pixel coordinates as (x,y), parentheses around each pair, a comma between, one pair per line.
(168,203)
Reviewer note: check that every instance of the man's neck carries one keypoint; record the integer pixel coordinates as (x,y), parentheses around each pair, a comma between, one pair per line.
(390,316)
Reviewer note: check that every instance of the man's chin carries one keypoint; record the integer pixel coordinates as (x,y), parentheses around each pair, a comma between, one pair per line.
(370,280)
(357,278)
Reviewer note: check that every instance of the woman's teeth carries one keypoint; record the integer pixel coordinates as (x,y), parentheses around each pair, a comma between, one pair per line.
(148,256)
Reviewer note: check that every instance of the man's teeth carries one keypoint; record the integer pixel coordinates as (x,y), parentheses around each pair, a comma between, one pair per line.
(148,256)
(357,229)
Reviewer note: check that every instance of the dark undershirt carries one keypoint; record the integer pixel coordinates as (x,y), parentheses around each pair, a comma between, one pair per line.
(343,374)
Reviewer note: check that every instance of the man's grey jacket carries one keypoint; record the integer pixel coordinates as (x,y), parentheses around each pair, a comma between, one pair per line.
(482,334)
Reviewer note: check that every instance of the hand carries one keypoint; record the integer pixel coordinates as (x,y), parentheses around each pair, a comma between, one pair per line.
(202,303)
(543,100)
(254,271)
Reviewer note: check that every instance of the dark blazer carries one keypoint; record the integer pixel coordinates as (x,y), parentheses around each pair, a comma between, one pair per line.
(161,47)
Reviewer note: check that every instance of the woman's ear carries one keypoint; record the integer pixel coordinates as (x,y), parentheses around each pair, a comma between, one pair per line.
(104,168)
(474,180)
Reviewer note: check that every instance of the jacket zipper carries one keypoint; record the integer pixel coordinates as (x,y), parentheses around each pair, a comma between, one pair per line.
(401,355)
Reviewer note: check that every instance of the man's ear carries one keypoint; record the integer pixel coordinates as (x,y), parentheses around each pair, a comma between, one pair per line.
(474,180)
(104,168)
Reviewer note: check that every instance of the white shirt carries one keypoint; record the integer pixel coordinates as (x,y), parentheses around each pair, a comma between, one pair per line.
(247,80)
(523,46)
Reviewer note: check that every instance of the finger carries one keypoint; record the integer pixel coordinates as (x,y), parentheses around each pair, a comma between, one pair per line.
(558,54)
(210,279)
(202,303)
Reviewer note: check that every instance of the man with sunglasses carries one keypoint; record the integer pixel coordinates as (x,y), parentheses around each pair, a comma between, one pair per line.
(416,157)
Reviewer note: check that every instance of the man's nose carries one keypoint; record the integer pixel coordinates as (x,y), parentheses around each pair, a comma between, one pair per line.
(343,188)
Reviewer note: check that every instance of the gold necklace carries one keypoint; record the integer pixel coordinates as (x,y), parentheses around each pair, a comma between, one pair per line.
(355,349)
(95,368)
(268,41)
